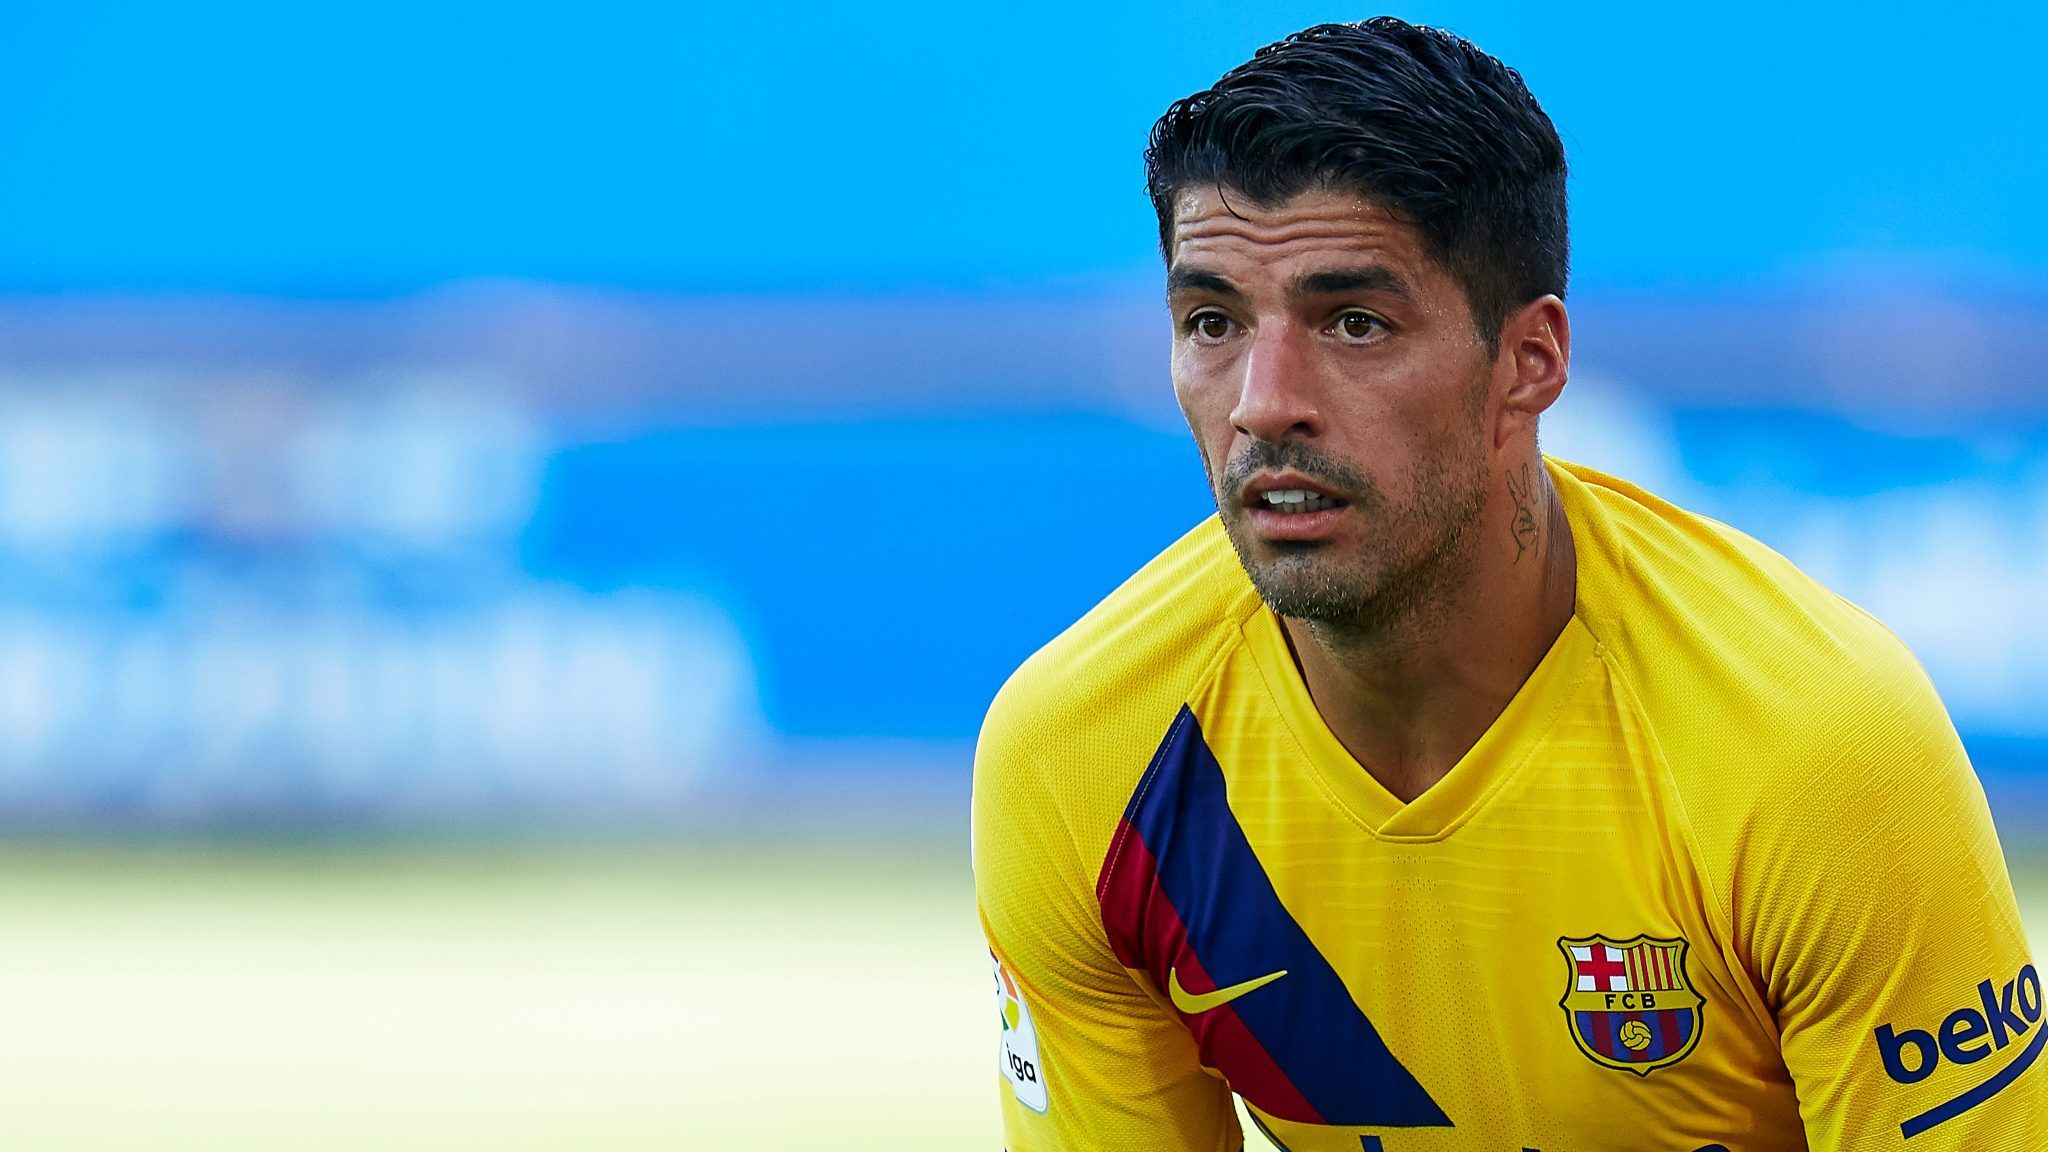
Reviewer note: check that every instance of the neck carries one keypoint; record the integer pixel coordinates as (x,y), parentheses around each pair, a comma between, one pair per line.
(1410,698)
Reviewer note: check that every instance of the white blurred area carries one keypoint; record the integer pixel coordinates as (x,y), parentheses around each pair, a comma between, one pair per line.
(577,706)
(426,464)
(1960,573)
(254,599)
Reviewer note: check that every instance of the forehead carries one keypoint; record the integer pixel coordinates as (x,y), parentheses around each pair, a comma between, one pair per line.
(1215,226)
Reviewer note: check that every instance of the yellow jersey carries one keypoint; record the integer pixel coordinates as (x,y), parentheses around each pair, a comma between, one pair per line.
(1718,879)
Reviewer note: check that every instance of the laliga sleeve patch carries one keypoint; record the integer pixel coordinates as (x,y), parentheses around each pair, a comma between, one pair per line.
(1018,1055)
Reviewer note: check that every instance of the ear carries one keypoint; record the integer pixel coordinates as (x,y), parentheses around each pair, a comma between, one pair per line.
(1530,371)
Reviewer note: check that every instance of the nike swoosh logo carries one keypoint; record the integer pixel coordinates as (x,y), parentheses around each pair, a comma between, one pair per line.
(1194,1004)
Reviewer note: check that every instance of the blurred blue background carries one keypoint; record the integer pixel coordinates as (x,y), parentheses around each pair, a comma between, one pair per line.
(464,413)
(510,513)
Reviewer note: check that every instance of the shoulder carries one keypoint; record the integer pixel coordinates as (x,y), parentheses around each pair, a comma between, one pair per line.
(1073,728)
(1731,651)
(1805,747)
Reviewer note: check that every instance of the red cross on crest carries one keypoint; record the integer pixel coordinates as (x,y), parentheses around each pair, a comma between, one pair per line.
(1603,967)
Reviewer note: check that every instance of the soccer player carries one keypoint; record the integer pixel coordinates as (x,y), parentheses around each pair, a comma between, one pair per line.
(1438,794)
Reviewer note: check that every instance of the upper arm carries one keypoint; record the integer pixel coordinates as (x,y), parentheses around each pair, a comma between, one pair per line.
(1098,1062)
(1882,923)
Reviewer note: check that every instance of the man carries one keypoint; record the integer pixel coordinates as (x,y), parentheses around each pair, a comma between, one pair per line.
(1441,795)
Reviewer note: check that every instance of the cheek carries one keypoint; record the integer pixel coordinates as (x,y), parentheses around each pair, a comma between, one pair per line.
(1208,418)
(1204,403)
(1424,407)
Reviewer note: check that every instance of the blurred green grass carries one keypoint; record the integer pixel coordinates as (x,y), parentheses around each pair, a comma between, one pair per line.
(513,997)
(472,997)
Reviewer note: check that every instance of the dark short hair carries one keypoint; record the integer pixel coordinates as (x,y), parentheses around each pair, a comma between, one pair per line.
(1417,120)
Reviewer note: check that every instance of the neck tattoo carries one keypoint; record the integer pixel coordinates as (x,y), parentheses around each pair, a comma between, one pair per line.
(1524,525)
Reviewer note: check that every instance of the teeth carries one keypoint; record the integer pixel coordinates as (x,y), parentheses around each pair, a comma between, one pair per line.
(1293,500)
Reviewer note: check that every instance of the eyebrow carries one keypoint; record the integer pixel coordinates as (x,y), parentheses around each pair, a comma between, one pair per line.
(1336,281)
(1181,280)
(1329,282)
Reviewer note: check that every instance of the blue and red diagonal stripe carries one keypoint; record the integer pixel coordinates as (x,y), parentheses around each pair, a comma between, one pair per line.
(1181,891)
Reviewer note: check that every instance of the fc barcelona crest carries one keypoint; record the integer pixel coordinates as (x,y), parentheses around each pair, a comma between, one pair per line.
(1628,1003)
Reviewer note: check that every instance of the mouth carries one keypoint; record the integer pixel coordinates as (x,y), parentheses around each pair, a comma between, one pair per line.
(1290,507)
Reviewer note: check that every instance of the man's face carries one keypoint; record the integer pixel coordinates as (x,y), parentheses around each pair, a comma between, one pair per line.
(1340,397)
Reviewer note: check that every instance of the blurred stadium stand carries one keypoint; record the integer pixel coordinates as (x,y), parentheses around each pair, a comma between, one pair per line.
(506,552)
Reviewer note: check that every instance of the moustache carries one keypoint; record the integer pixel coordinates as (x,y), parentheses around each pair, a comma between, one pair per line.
(1294,455)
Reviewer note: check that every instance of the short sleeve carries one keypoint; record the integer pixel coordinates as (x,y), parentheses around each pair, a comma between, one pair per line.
(1873,900)
(1089,1060)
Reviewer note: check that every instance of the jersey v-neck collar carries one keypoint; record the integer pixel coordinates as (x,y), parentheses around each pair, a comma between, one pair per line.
(1502,749)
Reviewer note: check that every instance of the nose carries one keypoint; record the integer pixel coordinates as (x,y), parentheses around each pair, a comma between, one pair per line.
(1276,399)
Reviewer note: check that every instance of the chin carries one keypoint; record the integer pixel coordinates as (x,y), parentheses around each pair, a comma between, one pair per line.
(1311,588)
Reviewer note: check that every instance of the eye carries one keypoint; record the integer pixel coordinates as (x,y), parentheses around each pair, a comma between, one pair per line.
(1210,326)
(1359,327)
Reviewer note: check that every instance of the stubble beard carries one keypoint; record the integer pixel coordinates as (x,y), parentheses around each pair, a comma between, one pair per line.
(1400,577)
